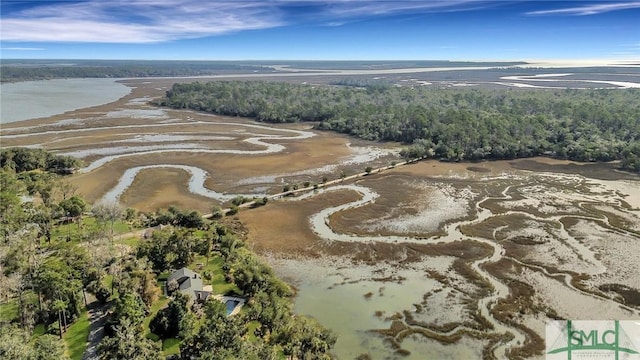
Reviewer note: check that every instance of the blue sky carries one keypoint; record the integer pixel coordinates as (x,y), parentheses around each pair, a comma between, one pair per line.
(320,30)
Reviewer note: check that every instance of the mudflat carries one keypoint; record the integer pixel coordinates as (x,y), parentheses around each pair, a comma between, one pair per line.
(471,255)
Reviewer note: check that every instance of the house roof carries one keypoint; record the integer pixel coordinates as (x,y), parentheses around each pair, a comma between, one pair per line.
(191,285)
(189,282)
(181,273)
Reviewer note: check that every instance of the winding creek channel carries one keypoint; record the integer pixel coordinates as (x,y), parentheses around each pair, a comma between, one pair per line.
(357,299)
(321,225)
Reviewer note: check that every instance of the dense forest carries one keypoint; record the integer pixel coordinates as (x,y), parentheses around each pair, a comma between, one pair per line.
(16,70)
(442,123)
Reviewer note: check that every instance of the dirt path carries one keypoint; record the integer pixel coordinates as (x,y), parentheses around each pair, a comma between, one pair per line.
(136,233)
(251,204)
(97,318)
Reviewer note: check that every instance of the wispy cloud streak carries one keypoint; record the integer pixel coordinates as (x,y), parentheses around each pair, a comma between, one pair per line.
(135,21)
(357,8)
(149,21)
(590,9)
(21,49)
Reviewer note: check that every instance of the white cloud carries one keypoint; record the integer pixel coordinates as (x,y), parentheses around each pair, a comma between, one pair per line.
(349,8)
(135,21)
(148,21)
(591,9)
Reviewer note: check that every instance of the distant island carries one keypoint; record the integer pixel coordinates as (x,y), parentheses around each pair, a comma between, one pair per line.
(13,70)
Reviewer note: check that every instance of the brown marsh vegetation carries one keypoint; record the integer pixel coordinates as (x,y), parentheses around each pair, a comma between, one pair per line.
(542,229)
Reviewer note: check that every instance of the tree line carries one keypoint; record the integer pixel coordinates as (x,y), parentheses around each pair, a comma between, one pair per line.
(12,71)
(22,159)
(447,124)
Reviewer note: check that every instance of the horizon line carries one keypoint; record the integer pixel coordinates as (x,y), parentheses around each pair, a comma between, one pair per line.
(554,60)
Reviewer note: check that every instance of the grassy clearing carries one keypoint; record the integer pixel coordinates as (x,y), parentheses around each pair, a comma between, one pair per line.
(214,268)
(107,281)
(38,331)
(170,346)
(133,242)
(161,303)
(76,336)
(200,234)
(78,230)
(252,326)
(162,279)
(9,311)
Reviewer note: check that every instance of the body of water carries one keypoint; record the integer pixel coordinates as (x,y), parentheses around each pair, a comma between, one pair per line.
(35,99)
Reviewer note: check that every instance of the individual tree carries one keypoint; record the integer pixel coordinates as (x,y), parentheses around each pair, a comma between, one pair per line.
(73,207)
(216,212)
(115,270)
(82,267)
(149,290)
(304,338)
(238,200)
(60,307)
(16,344)
(8,285)
(45,185)
(172,285)
(44,216)
(169,248)
(128,343)
(140,279)
(130,307)
(232,210)
(62,164)
(107,212)
(271,311)
(59,283)
(23,159)
(191,220)
(48,347)
(219,334)
(12,215)
(67,189)
(130,214)
(170,322)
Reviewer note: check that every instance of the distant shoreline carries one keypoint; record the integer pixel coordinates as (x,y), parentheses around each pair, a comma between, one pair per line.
(20,70)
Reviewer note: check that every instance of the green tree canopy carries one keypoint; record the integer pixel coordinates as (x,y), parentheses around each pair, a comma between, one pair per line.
(128,343)
(448,124)
(26,159)
(74,206)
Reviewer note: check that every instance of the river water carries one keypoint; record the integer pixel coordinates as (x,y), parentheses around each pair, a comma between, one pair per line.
(35,99)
